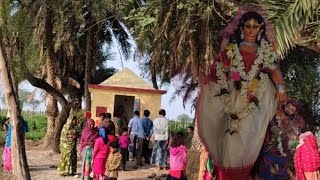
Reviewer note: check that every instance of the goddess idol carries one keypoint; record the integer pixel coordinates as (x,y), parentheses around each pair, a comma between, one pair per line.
(240,95)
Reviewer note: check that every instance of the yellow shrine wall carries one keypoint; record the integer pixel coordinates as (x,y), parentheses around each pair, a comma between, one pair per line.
(106,98)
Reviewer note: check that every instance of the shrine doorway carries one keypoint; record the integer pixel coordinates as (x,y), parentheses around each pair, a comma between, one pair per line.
(123,107)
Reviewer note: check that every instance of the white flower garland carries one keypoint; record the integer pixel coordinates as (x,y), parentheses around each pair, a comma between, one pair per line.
(266,57)
(229,108)
(280,148)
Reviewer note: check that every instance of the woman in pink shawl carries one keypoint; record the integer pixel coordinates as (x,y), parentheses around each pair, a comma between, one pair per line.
(88,137)
(307,158)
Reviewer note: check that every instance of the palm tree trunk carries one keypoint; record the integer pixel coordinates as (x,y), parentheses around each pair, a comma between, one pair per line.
(196,142)
(61,120)
(19,159)
(52,108)
(154,79)
(75,98)
(52,113)
(89,64)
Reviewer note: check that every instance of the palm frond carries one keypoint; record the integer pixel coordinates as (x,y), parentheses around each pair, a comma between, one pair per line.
(296,22)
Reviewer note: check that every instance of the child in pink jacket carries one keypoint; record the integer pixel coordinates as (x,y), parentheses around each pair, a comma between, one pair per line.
(178,158)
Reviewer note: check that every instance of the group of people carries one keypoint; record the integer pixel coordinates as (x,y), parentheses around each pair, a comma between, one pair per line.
(98,148)
(104,152)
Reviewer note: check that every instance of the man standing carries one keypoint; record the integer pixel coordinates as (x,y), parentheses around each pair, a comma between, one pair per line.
(136,137)
(161,136)
(147,127)
(107,123)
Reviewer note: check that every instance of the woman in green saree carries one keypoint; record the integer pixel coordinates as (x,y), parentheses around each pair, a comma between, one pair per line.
(68,140)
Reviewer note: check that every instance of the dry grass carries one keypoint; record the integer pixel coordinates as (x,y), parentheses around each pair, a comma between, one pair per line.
(193,165)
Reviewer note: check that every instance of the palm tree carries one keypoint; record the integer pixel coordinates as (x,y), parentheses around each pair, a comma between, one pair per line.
(63,38)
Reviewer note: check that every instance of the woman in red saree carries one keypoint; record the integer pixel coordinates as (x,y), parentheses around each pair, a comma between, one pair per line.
(307,158)
(240,96)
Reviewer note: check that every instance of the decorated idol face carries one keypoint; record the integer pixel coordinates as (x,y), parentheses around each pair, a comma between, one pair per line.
(290,109)
(251,29)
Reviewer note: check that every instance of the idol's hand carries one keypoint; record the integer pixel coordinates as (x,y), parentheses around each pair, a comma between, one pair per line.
(282,96)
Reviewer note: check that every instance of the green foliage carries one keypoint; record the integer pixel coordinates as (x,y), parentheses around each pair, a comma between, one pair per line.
(294,144)
(19,38)
(184,118)
(302,77)
(37,124)
(2,120)
(296,22)
(181,124)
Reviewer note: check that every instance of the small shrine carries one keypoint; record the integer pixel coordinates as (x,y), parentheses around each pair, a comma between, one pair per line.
(122,94)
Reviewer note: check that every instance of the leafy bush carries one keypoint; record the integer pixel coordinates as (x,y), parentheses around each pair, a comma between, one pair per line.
(2,136)
(37,124)
(178,126)
(2,120)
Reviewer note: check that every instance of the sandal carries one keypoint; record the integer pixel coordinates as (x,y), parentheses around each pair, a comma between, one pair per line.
(153,175)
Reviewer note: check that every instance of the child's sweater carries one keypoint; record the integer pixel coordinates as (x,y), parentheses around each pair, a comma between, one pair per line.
(113,164)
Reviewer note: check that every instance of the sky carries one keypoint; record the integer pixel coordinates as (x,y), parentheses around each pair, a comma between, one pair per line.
(173,109)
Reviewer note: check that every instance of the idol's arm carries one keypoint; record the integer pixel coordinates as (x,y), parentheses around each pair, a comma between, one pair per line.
(278,80)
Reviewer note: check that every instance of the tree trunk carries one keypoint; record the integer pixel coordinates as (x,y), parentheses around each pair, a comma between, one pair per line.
(75,98)
(48,47)
(154,79)
(196,141)
(19,159)
(65,107)
(61,120)
(52,113)
(89,65)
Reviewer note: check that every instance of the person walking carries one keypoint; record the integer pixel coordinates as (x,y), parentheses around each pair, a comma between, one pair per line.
(161,136)
(137,136)
(147,127)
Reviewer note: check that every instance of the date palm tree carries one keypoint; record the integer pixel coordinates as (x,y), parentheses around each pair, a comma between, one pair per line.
(182,37)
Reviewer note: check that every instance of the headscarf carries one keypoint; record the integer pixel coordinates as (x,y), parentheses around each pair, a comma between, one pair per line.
(307,157)
(103,134)
(88,134)
(87,114)
(66,128)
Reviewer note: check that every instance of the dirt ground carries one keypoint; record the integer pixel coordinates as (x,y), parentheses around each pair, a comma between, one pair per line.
(40,160)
